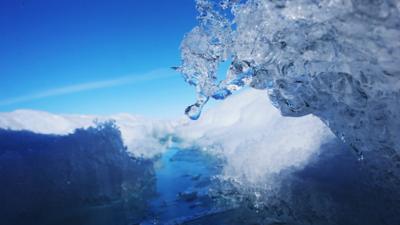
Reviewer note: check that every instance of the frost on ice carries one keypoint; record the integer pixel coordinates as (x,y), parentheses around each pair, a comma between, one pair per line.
(336,59)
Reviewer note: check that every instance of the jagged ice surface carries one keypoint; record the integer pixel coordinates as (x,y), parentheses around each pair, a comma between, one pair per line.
(141,135)
(336,59)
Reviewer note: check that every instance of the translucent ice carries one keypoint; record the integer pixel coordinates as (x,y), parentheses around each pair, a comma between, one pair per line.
(336,59)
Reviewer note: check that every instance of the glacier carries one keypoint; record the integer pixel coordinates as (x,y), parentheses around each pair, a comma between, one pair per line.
(320,78)
(250,133)
(265,168)
(335,59)
(241,142)
(86,177)
(141,135)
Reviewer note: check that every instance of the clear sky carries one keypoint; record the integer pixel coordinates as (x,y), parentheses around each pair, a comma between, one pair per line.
(94,56)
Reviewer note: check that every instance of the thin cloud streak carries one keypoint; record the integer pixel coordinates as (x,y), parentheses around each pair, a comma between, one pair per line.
(125,80)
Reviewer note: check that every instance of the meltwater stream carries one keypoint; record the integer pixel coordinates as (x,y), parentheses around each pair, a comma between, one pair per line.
(183,178)
(335,188)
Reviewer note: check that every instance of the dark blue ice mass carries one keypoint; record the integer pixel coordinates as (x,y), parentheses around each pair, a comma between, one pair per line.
(88,178)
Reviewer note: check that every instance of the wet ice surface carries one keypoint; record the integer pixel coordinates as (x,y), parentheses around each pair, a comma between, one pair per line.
(85,178)
(180,187)
(335,188)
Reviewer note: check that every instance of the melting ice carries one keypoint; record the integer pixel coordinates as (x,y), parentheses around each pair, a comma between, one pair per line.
(336,59)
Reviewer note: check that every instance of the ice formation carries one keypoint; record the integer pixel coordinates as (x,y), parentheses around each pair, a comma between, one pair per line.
(251,131)
(142,136)
(335,59)
(81,178)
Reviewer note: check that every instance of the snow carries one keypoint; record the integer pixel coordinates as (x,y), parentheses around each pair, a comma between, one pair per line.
(254,139)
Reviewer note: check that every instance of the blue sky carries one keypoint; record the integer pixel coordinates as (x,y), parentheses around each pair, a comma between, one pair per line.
(93,56)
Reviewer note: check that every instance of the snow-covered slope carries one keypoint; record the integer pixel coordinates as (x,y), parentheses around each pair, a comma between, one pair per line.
(254,138)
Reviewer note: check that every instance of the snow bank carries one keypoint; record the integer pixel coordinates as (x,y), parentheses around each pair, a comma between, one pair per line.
(141,135)
(256,141)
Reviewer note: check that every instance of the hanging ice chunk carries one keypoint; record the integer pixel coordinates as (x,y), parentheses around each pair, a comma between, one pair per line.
(336,59)
(194,111)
